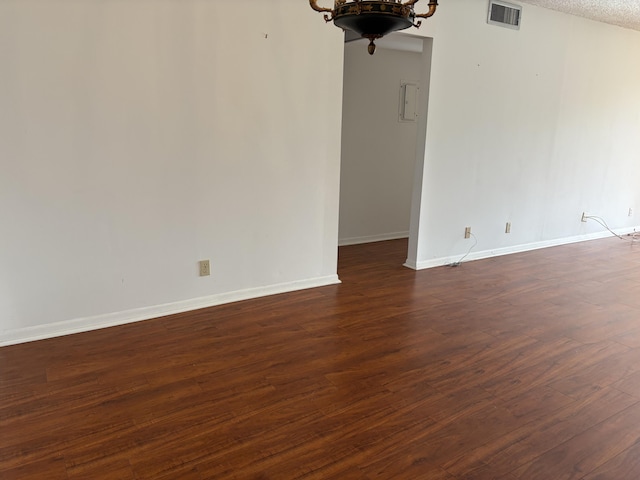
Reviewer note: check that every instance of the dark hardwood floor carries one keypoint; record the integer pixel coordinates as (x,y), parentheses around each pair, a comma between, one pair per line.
(518,367)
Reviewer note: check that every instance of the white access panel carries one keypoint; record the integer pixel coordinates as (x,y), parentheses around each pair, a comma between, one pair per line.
(408,102)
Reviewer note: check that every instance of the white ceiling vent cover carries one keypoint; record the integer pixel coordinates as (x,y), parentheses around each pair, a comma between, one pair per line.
(504,14)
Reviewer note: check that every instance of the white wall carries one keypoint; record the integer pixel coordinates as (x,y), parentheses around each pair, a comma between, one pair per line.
(532,127)
(138,137)
(378,151)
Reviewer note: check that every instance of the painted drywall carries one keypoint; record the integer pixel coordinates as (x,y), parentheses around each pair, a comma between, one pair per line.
(137,138)
(378,150)
(530,126)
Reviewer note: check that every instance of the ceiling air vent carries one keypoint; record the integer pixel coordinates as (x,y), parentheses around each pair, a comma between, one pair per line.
(504,14)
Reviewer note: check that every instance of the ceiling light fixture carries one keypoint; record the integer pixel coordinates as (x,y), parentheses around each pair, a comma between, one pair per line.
(374,19)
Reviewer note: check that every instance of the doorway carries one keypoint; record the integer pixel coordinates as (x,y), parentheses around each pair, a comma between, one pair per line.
(383,143)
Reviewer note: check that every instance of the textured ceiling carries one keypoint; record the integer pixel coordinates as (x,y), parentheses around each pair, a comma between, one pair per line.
(625,13)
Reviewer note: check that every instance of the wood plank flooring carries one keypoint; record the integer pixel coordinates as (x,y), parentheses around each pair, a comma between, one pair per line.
(518,367)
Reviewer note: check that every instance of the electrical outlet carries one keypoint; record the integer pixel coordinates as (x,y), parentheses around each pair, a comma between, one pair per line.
(584,217)
(467,232)
(205,268)
(508,228)
(630,212)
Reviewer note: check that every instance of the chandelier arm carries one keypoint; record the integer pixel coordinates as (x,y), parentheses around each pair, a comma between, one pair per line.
(433,4)
(314,5)
(410,3)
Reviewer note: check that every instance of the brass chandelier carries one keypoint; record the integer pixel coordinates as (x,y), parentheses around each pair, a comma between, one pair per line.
(373,19)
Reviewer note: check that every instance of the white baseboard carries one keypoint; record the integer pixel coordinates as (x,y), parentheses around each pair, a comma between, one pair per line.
(68,327)
(29,334)
(438,262)
(342,242)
